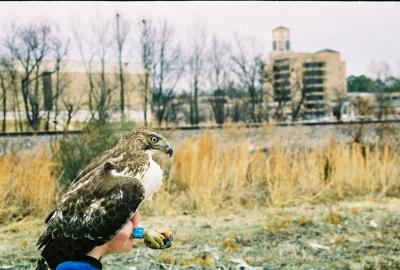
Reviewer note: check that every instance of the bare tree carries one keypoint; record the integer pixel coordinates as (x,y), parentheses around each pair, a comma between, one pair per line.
(30,47)
(341,99)
(383,105)
(87,54)
(102,44)
(98,45)
(282,97)
(298,93)
(218,102)
(147,48)
(197,39)
(4,90)
(380,70)
(71,107)
(365,110)
(26,49)
(121,33)
(218,61)
(60,50)
(166,70)
(247,65)
(9,65)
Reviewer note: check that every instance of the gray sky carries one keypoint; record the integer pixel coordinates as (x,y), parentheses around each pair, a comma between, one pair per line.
(361,31)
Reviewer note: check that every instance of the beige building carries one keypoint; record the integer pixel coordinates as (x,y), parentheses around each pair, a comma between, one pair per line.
(75,84)
(311,83)
(386,103)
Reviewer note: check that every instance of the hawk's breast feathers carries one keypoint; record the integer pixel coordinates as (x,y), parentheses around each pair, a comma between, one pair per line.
(152,178)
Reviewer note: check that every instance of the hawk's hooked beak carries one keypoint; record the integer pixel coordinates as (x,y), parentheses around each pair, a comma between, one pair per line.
(169,151)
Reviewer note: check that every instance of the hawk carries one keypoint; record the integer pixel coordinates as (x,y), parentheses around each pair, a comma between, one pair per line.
(103,198)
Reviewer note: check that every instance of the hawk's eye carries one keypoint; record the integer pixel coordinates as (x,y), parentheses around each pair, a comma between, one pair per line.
(154,139)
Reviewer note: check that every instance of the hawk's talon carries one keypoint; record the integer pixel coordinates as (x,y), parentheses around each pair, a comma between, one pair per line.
(158,240)
(167,243)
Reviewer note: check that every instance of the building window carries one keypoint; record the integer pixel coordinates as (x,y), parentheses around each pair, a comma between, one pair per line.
(314,73)
(313,81)
(314,98)
(314,65)
(281,60)
(316,106)
(314,89)
(287,45)
(281,76)
(281,84)
(315,114)
(282,95)
(274,45)
(280,68)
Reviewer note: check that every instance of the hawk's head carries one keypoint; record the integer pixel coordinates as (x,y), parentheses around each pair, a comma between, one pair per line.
(146,139)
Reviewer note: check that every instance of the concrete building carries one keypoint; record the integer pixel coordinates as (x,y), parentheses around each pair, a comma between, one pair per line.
(310,85)
(385,105)
(74,80)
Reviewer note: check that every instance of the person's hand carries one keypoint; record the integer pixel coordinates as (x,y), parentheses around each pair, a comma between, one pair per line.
(157,240)
(135,220)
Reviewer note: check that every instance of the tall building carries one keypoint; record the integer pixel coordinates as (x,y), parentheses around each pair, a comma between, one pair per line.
(308,85)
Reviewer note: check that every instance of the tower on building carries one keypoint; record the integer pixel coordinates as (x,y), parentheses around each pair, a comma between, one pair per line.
(281,39)
(321,76)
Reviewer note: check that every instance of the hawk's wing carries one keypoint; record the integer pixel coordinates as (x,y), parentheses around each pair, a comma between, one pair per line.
(89,217)
(95,162)
(125,163)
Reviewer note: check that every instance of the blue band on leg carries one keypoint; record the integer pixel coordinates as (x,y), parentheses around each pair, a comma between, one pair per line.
(138,233)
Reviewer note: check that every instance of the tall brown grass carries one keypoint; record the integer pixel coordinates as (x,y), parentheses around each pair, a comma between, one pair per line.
(210,173)
(213,172)
(28,185)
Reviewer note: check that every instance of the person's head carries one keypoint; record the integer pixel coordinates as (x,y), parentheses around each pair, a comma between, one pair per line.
(121,242)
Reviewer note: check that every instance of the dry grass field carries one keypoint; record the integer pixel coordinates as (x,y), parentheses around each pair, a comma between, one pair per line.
(343,235)
(332,207)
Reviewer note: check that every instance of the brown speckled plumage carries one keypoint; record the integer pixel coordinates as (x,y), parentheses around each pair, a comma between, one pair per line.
(100,200)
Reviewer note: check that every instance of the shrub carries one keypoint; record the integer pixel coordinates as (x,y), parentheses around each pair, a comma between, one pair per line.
(74,152)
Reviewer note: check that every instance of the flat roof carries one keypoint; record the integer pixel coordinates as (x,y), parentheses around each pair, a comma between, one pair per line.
(77,66)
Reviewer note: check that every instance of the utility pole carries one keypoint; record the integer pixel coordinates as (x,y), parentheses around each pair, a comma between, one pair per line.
(120,43)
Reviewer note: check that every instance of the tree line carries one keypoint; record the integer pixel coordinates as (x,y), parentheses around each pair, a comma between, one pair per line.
(366,84)
(176,75)
(177,80)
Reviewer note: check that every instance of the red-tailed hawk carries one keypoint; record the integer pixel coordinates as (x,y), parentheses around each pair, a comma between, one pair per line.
(102,198)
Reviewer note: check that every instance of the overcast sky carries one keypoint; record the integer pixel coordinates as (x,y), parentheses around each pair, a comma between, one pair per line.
(362,32)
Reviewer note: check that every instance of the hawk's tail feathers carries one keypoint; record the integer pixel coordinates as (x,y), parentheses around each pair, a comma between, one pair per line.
(42,265)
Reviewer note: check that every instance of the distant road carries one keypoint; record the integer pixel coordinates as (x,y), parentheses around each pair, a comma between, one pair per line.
(255,125)
(260,136)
